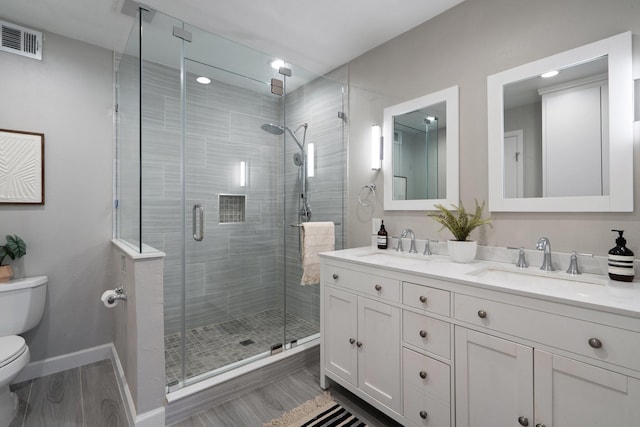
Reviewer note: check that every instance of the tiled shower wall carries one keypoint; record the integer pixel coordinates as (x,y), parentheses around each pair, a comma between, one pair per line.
(237,268)
(317,103)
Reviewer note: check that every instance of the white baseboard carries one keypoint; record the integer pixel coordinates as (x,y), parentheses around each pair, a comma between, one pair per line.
(63,362)
(129,406)
(153,418)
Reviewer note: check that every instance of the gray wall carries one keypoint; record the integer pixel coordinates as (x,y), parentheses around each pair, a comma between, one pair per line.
(69,97)
(475,39)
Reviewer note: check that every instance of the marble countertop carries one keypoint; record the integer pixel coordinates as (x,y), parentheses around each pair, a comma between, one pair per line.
(585,290)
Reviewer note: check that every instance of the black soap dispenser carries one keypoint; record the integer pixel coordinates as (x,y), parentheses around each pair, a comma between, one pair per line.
(382,237)
(621,260)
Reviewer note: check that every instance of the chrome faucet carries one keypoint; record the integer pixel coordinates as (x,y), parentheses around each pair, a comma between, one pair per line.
(573,264)
(544,245)
(427,247)
(412,249)
(399,245)
(522,258)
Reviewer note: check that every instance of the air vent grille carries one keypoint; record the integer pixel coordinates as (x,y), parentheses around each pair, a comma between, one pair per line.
(21,41)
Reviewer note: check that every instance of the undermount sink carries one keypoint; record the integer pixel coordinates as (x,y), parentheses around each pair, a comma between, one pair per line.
(393,257)
(534,277)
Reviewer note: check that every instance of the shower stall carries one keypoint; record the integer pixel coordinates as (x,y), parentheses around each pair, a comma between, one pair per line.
(220,157)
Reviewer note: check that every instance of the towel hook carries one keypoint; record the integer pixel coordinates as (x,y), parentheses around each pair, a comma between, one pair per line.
(372,189)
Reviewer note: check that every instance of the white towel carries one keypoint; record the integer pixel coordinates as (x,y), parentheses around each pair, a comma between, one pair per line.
(316,237)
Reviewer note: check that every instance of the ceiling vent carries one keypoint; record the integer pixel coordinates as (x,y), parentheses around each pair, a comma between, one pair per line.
(21,41)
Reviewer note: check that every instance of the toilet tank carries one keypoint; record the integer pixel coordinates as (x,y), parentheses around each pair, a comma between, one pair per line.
(21,304)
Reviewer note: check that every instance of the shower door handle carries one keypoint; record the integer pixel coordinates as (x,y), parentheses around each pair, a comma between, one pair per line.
(197,213)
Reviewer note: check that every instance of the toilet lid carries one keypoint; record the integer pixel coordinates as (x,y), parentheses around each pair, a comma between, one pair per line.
(10,348)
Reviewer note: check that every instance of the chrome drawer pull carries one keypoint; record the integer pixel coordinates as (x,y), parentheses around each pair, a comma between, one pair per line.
(423,334)
(524,421)
(423,374)
(595,343)
(423,299)
(482,314)
(335,276)
(423,415)
(378,288)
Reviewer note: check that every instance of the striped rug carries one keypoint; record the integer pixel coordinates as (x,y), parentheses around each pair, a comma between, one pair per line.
(322,411)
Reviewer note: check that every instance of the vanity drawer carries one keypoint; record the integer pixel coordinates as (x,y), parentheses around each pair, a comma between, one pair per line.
(436,382)
(426,400)
(365,283)
(617,346)
(427,333)
(426,298)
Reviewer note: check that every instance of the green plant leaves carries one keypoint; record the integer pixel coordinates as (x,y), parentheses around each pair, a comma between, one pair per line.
(462,224)
(15,247)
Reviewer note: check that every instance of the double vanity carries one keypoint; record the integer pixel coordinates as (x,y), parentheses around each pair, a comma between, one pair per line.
(430,342)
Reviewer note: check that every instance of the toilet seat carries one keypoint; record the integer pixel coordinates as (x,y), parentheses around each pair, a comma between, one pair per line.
(11,348)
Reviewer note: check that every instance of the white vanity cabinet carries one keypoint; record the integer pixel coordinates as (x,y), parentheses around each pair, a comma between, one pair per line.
(500,382)
(381,341)
(361,345)
(440,348)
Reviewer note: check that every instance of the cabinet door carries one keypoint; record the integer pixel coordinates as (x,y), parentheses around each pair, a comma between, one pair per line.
(569,393)
(379,352)
(341,333)
(494,380)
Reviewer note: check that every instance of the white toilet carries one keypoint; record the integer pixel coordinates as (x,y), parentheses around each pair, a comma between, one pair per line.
(21,307)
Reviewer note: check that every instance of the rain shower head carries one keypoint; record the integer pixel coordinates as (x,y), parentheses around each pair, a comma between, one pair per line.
(279,130)
(272,129)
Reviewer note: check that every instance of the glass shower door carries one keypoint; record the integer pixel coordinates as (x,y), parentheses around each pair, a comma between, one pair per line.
(232,229)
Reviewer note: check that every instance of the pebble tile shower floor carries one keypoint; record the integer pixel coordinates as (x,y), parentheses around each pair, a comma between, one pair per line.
(214,346)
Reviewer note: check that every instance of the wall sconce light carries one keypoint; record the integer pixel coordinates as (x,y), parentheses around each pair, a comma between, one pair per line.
(311,160)
(243,174)
(376,147)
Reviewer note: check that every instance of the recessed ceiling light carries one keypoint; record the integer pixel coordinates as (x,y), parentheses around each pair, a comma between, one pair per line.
(276,64)
(549,74)
(203,80)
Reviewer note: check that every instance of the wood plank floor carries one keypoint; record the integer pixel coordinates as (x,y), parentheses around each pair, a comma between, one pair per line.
(85,396)
(272,400)
(89,396)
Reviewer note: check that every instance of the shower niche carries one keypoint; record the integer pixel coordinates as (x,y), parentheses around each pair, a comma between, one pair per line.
(232,208)
(220,195)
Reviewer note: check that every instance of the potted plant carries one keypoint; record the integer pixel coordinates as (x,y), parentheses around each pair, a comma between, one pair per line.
(15,248)
(461,223)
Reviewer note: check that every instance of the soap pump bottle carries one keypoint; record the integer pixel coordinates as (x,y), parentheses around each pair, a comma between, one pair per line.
(382,237)
(621,260)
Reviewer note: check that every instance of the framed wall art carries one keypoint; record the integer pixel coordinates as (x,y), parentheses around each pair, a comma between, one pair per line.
(21,167)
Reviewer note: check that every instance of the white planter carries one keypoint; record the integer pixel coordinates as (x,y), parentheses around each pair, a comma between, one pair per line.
(462,251)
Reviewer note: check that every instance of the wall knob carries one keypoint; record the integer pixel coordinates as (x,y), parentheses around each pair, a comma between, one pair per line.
(524,421)
(423,415)
(378,288)
(482,314)
(335,276)
(423,374)
(423,299)
(595,343)
(352,341)
(423,334)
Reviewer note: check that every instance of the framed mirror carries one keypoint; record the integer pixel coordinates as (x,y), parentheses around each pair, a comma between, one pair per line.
(421,152)
(561,132)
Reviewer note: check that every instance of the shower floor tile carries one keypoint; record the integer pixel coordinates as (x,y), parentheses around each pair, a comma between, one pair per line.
(214,346)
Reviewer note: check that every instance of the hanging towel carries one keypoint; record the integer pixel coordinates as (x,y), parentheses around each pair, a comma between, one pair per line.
(316,237)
